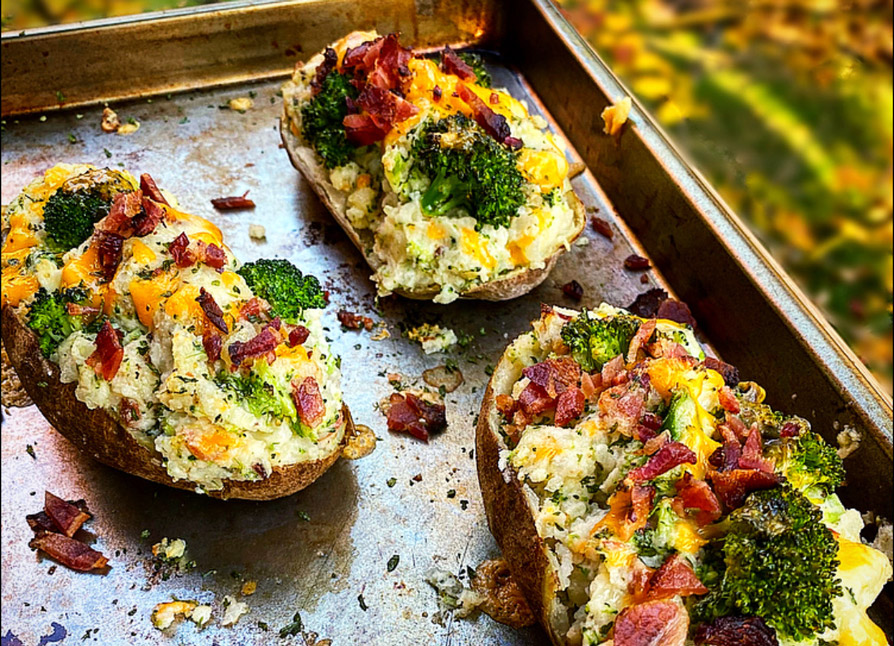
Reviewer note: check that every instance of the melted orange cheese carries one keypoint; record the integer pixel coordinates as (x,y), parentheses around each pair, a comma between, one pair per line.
(472,245)
(148,295)
(85,269)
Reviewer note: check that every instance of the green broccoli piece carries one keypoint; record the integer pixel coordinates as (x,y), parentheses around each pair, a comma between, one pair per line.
(322,117)
(82,201)
(808,463)
(48,317)
(780,563)
(282,284)
(469,170)
(258,396)
(769,421)
(595,342)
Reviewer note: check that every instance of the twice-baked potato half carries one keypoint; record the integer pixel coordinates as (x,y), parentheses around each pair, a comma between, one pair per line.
(643,496)
(447,186)
(145,342)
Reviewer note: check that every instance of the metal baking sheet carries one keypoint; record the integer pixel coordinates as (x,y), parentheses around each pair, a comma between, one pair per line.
(315,552)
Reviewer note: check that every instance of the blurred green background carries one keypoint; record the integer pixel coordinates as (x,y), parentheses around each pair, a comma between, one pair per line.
(785,105)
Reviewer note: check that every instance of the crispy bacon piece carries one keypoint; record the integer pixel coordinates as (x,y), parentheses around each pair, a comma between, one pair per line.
(123,209)
(212,310)
(75,309)
(69,552)
(733,486)
(146,220)
(298,335)
(668,456)
(232,202)
(589,384)
(129,411)
(150,189)
(634,262)
(555,376)
(620,407)
(602,227)
(569,406)
(258,346)
(107,357)
(181,253)
(573,290)
(612,370)
(411,414)
(252,308)
(534,400)
(693,493)
(729,372)
(678,311)
(506,405)
(726,458)
(66,516)
(653,444)
(384,107)
(628,511)
(728,400)
(362,130)
(212,343)
(109,246)
(653,623)
(330,61)
(308,401)
(674,577)
(494,124)
(390,65)
(213,256)
(354,321)
(736,631)
(520,421)
(641,338)
(451,63)
(646,304)
(790,429)
(752,453)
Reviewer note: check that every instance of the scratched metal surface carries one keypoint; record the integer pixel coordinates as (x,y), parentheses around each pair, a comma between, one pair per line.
(356,521)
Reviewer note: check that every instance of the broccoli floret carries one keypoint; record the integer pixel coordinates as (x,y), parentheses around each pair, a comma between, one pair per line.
(82,201)
(322,117)
(808,463)
(258,396)
(595,342)
(282,284)
(468,170)
(48,317)
(780,564)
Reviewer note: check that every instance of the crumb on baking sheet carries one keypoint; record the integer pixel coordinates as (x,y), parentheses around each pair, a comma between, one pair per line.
(615,116)
(257,232)
(233,610)
(241,104)
(433,337)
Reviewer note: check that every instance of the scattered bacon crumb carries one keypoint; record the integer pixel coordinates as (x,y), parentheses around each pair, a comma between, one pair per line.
(330,62)
(69,552)
(451,63)
(729,373)
(602,227)
(506,405)
(736,631)
(569,406)
(695,494)
(66,516)
(54,527)
(109,251)
(150,189)
(409,413)
(790,429)
(258,346)
(634,262)
(212,344)
(233,202)
(674,577)
(308,401)
(573,290)
(733,486)
(653,623)
(298,335)
(671,455)
(180,251)
(354,321)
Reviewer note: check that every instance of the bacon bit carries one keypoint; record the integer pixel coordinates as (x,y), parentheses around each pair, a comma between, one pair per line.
(383,61)
(69,552)
(494,124)
(361,130)
(654,623)
(647,303)
(653,444)
(752,453)
(181,253)
(641,498)
(308,401)
(298,335)
(733,486)
(353,321)
(736,631)
(129,412)
(109,246)
(67,517)
(634,262)
(602,227)
(677,311)
(260,345)
(569,406)
(213,256)
(145,222)
(150,189)
(107,357)
(628,511)
(728,400)
(74,309)
(411,414)
(554,376)
(252,308)
(589,385)
(642,336)
(620,407)
(125,206)
(790,429)
(612,370)
(436,93)
(573,290)
(696,494)
(674,577)
(330,62)
(212,310)
(451,63)
(383,108)
(729,373)
(506,405)
(233,202)
(520,421)
(669,456)
(212,344)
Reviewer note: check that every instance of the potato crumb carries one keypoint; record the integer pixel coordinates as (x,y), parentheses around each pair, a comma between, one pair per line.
(201,615)
(165,614)
(249,587)
(233,610)
(241,104)
(110,121)
(615,116)
(848,441)
(433,338)
(128,128)
(257,232)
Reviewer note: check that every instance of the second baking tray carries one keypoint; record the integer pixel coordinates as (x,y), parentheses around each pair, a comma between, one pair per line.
(318,552)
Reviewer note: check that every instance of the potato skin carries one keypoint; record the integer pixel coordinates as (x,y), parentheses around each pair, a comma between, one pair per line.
(509,515)
(99,435)
(515,284)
